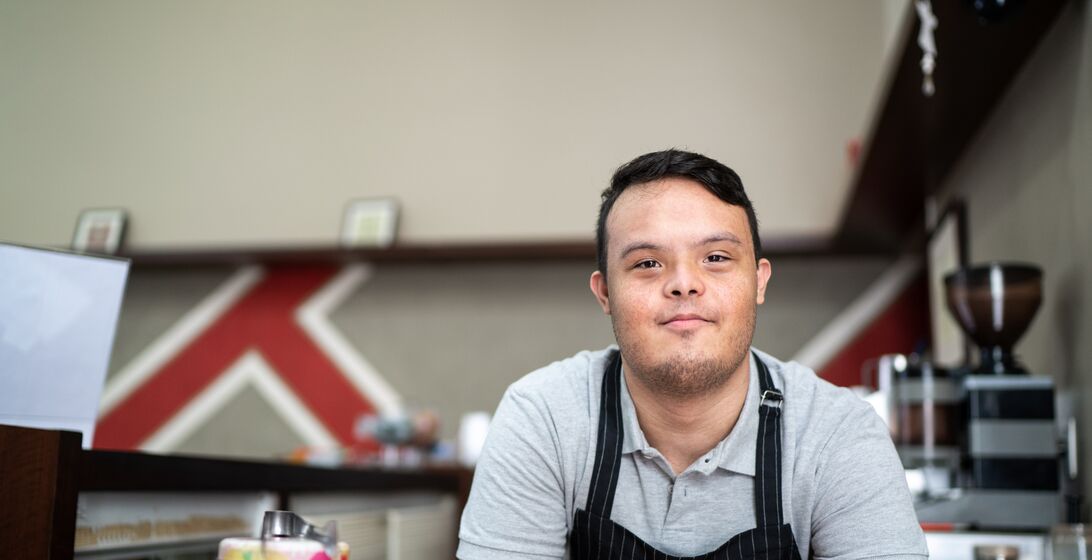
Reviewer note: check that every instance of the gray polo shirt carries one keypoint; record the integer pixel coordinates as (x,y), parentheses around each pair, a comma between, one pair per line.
(843,485)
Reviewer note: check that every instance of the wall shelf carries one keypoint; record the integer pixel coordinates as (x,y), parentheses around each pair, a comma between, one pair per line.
(409,253)
(515,252)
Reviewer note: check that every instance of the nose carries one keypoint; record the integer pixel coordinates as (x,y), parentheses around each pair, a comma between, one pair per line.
(684,281)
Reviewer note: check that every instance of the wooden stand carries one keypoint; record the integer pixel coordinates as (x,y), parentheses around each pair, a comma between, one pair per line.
(38,492)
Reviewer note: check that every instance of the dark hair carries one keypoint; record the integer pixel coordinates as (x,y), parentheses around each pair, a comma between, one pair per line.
(716,177)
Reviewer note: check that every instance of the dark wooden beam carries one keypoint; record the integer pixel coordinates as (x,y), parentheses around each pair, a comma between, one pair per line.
(571,251)
(916,140)
(399,253)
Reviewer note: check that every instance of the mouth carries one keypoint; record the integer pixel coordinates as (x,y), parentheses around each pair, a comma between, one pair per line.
(686,321)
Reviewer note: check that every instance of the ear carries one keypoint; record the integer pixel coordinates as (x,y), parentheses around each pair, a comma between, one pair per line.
(762,273)
(598,285)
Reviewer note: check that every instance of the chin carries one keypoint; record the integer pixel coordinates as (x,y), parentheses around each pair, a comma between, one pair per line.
(681,366)
(682,374)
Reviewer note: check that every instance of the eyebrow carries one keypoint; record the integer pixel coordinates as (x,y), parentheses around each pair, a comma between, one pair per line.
(721,237)
(648,245)
(638,246)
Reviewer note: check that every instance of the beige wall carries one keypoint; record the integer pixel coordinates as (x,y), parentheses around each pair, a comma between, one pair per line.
(1028,183)
(255,121)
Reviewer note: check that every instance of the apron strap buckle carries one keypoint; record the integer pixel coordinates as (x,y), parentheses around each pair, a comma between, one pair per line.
(772,397)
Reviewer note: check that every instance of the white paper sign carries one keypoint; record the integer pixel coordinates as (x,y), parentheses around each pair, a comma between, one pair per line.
(58,314)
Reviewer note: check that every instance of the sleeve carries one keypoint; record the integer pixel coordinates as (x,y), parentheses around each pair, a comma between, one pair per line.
(863,507)
(516,507)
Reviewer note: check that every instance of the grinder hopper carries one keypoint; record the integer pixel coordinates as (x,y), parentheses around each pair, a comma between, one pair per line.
(994,303)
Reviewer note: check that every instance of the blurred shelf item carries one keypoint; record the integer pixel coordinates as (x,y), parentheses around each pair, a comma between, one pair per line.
(135,524)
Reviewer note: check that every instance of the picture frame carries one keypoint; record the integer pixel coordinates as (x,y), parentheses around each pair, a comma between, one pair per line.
(100,230)
(946,251)
(370,222)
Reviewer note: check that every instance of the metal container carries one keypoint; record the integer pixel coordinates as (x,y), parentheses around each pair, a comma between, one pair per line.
(286,536)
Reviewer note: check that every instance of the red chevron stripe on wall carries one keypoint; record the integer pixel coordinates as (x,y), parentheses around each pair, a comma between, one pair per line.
(268,317)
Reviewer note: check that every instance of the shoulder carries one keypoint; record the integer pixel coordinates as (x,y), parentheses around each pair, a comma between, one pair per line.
(566,383)
(527,479)
(816,408)
(557,402)
(847,476)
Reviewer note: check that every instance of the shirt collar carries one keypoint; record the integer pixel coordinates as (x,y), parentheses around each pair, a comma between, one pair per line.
(735,453)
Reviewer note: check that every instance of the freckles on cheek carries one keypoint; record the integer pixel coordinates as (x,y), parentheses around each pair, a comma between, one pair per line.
(629,311)
(634,305)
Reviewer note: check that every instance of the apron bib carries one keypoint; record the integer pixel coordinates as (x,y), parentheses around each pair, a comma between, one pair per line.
(595,536)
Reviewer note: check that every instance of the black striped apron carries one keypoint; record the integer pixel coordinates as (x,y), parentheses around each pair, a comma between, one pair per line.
(595,536)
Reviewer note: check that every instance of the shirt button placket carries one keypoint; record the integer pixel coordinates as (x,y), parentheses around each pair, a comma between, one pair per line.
(670,508)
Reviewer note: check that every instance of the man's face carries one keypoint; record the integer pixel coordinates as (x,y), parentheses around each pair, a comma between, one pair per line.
(682,285)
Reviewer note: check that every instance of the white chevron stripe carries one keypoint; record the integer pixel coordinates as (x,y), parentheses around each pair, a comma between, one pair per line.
(314,317)
(163,349)
(858,315)
(250,369)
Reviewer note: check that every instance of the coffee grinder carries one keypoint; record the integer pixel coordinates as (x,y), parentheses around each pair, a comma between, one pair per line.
(1009,473)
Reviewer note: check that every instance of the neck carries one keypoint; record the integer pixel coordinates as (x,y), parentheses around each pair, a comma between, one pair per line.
(685,428)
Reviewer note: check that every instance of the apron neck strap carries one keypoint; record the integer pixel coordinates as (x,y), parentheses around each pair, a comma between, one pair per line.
(768,509)
(608,447)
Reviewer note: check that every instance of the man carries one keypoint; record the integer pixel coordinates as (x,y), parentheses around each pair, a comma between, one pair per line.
(684,442)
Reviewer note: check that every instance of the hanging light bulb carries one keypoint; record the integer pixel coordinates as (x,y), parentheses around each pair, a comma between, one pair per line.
(928,45)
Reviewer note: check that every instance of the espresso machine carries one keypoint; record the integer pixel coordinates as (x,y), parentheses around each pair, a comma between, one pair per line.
(982,437)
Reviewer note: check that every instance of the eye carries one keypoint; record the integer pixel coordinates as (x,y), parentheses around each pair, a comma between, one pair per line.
(717,258)
(646,264)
